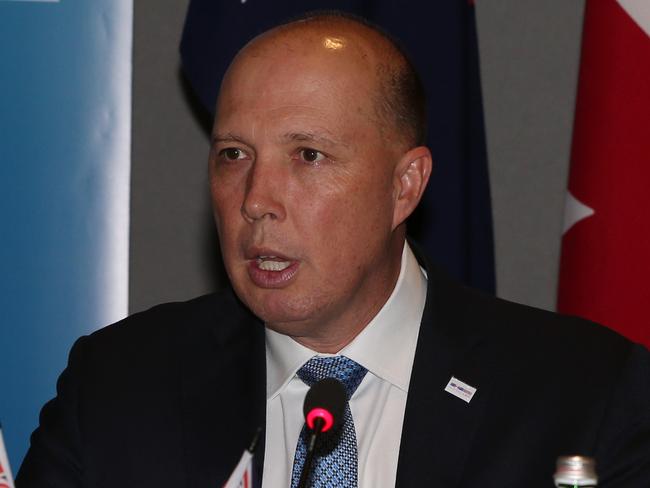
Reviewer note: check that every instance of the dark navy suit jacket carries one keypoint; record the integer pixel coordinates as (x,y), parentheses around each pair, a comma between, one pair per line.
(172,396)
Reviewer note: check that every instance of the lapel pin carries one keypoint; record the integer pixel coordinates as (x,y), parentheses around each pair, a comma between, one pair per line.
(460,390)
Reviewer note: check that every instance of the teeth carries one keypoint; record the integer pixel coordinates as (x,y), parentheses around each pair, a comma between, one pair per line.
(272,265)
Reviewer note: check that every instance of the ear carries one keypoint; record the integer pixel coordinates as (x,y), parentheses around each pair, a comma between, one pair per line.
(410,179)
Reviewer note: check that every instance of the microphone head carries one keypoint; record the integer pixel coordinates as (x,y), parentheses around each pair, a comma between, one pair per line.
(325,400)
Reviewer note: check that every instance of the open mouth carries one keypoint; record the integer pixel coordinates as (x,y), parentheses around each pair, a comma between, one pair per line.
(269,269)
(272,263)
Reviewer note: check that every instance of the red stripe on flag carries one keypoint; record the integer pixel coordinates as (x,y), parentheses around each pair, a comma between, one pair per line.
(605,264)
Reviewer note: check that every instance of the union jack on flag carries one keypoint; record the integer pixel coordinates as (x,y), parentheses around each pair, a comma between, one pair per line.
(6,480)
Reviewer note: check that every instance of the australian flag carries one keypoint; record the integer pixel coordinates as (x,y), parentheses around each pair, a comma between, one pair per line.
(454,222)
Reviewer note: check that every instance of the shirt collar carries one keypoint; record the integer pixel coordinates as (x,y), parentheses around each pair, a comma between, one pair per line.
(385,347)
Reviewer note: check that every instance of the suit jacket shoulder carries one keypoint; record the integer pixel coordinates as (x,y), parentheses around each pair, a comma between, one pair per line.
(546,385)
(157,399)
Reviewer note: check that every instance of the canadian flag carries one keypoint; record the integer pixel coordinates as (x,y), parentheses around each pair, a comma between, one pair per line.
(605,263)
(6,480)
(242,476)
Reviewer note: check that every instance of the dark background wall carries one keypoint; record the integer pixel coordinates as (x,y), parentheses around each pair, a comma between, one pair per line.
(171,224)
(529,63)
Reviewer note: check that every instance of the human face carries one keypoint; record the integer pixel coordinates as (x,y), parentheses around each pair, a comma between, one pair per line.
(303,189)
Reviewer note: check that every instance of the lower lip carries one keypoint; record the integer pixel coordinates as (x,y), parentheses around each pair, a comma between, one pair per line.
(271,279)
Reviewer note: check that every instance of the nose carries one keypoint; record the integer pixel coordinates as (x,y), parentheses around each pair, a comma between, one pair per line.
(264,197)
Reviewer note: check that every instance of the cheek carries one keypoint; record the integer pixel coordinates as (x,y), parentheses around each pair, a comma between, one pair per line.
(226,206)
(348,220)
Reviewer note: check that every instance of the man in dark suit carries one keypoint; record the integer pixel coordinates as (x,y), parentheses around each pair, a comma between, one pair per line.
(316,163)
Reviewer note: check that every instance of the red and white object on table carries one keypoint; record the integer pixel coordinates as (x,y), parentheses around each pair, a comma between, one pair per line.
(6,480)
(605,263)
(242,476)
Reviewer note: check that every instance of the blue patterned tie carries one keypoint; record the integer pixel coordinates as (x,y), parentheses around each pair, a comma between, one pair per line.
(335,459)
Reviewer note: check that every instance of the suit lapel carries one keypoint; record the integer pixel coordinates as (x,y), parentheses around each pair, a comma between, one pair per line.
(223,399)
(438,427)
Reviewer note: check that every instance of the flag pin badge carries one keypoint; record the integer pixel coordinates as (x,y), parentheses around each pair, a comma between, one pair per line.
(460,390)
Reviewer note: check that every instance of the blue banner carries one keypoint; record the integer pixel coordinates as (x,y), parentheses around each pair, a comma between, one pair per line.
(65,109)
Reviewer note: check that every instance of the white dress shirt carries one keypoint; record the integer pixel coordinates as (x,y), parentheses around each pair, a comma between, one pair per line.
(386,348)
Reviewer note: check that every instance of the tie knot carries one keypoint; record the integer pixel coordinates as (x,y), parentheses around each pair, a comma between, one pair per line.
(343,369)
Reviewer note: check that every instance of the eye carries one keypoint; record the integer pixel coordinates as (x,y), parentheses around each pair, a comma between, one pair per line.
(311,155)
(232,154)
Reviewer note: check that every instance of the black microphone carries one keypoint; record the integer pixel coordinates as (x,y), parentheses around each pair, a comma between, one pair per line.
(323,408)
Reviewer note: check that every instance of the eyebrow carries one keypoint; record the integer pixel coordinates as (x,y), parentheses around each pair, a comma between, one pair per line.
(311,137)
(287,137)
(228,137)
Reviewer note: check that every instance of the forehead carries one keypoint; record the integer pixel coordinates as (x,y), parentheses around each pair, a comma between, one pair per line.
(317,72)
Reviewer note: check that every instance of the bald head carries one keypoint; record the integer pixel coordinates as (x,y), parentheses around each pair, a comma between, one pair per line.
(314,168)
(396,91)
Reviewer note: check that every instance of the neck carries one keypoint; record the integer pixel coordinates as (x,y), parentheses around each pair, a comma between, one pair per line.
(333,335)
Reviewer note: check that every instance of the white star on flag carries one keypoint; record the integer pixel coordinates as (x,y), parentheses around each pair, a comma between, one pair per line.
(575,211)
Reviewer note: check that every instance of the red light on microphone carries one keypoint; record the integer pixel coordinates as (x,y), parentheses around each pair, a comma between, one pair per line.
(320,413)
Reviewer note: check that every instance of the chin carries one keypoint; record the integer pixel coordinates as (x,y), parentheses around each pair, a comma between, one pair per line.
(287,315)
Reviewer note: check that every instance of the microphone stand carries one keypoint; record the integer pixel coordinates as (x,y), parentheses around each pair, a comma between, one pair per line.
(309,458)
